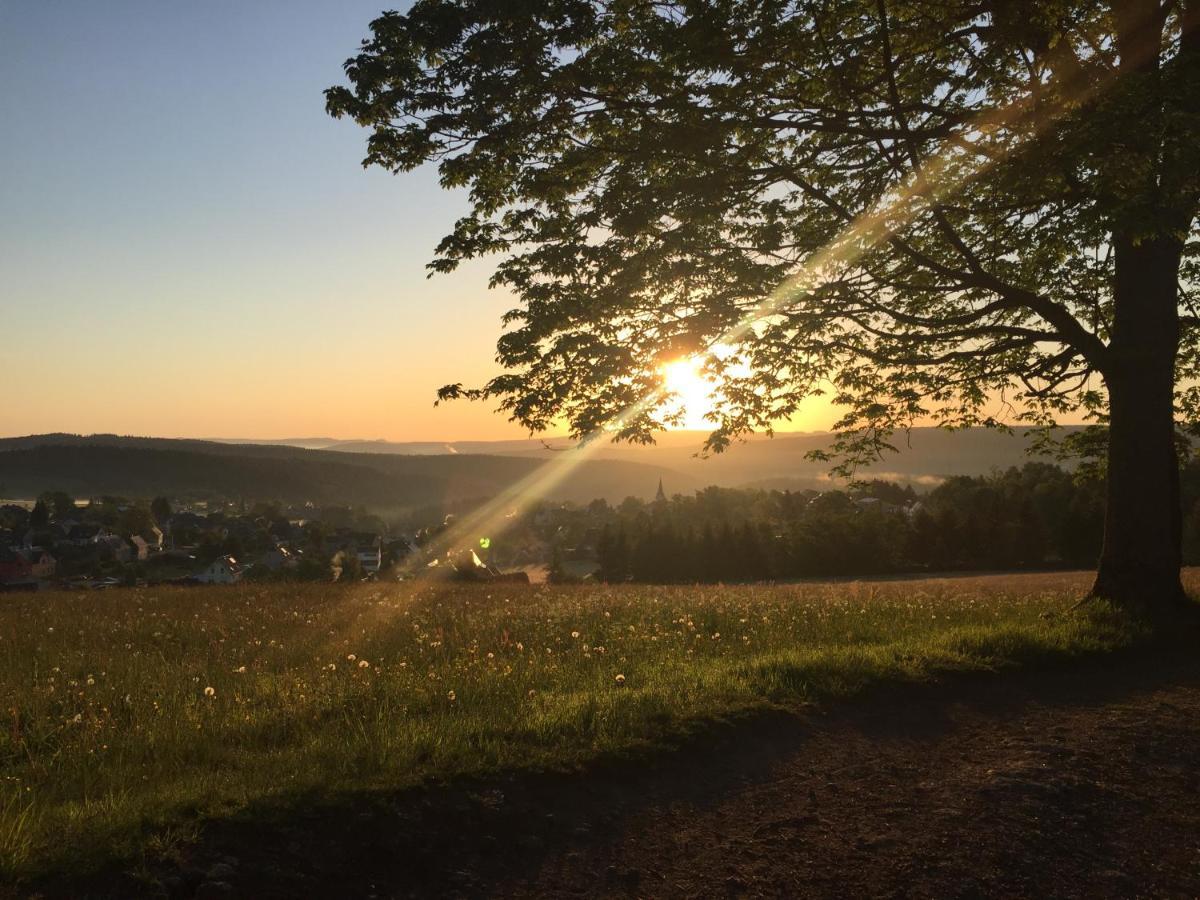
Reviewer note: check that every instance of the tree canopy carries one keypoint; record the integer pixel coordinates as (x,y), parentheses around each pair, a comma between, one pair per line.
(909,203)
(951,210)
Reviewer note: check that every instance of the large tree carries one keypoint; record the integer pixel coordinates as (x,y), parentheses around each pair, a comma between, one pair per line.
(966,211)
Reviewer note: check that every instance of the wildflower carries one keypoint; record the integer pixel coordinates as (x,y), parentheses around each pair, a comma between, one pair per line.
(620,679)
(240,670)
(210,691)
(450,695)
(575,634)
(362,664)
(91,680)
(532,693)
(350,657)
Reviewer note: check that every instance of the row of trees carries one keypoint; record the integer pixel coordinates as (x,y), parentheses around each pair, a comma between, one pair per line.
(1032,517)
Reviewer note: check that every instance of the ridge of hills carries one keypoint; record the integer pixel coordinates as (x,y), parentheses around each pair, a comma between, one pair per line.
(392,476)
(95,465)
(925,455)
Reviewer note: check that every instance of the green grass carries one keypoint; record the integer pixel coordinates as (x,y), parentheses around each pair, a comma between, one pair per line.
(133,715)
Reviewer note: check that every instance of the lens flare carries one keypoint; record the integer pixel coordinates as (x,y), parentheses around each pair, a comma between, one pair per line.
(690,390)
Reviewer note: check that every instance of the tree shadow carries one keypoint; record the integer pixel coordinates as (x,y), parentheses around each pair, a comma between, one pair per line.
(458,837)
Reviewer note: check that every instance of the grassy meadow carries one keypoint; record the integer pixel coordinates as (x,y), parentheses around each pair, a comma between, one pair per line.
(133,715)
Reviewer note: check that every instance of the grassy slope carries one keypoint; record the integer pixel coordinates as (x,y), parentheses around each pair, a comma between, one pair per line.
(112,739)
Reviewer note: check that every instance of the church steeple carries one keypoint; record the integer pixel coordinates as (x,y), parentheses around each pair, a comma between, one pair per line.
(661,496)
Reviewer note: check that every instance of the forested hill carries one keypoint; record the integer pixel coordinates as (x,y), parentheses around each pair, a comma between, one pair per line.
(146,467)
(926,455)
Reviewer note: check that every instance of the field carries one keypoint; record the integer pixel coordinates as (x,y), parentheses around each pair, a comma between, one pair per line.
(135,717)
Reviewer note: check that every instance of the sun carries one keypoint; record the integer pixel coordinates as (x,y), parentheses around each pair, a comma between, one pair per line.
(691,392)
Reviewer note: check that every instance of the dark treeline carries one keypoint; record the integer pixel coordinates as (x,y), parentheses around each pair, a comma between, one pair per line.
(1033,517)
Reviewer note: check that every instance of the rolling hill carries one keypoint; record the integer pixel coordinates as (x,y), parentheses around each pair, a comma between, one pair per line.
(924,456)
(145,467)
(388,476)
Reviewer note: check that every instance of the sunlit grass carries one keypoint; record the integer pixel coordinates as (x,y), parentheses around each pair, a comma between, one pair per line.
(135,712)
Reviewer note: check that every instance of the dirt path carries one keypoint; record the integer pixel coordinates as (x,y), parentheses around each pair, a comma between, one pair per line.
(1070,785)
(1078,782)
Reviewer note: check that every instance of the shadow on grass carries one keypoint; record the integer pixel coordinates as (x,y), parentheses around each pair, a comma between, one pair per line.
(461,836)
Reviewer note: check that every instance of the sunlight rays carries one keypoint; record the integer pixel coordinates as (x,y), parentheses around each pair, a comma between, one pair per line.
(938,179)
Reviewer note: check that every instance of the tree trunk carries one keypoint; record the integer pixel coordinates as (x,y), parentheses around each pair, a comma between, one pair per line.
(1142,555)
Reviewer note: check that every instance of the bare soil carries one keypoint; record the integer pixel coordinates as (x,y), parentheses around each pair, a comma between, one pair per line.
(1079,781)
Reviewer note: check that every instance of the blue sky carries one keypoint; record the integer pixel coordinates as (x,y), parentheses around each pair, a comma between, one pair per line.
(190,246)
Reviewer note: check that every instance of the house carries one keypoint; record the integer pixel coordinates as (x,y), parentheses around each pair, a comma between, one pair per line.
(370,556)
(278,558)
(146,545)
(14,566)
(82,534)
(398,549)
(108,542)
(42,564)
(225,570)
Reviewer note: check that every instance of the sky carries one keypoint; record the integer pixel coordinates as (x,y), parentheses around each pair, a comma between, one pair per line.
(189,245)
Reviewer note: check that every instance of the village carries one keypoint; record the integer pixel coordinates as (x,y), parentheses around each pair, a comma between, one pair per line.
(1035,517)
(58,542)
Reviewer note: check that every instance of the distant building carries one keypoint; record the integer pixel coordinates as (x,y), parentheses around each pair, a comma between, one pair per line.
(14,566)
(278,558)
(119,547)
(82,534)
(41,564)
(225,570)
(370,556)
(661,496)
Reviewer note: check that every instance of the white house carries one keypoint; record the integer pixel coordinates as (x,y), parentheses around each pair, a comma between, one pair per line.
(370,556)
(225,570)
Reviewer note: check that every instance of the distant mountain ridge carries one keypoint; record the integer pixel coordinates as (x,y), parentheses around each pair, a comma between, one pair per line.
(405,475)
(95,465)
(926,455)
